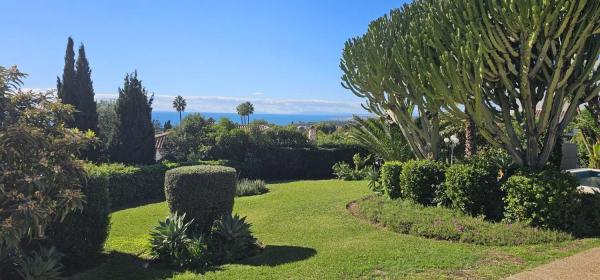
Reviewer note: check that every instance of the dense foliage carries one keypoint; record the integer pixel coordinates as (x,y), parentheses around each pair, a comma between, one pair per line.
(81,235)
(445,224)
(474,189)
(41,178)
(420,179)
(203,193)
(544,199)
(133,137)
(390,179)
(192,139)
(130,186)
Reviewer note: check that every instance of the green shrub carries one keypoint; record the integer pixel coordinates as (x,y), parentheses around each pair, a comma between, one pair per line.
(361,171)
(81,235)
(473,188)
(441,223)
(390,178)
(247,187)
(545,199)
(203,192)
(587,223)
(420,179)
(231,239)
(130,186)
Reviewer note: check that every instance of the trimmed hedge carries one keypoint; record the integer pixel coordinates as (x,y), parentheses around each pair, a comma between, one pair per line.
(298,163)
(81,236)
(420,179)
(546,199)
(390,178)
(204,193)
(474,189)
(130,186)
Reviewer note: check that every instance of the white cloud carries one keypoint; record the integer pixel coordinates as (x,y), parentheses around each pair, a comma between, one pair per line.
(163,102)
(258,93)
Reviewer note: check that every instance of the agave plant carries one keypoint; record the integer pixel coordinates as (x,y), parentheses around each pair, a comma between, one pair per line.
(169,240)
(44,264)
(231,239)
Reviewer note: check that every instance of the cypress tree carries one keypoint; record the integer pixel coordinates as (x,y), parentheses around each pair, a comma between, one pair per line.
(87,117)
(67,88)
(133,141)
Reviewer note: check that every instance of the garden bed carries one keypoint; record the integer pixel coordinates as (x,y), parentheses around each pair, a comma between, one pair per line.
(445,224)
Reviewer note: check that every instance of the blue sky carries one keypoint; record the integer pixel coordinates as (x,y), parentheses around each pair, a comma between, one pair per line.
(283,55)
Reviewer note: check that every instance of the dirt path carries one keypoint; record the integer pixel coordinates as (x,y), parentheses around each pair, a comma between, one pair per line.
(583,266)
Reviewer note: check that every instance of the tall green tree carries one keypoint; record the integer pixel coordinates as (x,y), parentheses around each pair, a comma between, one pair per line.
(87,116)
(244,110)
(179,104)
(133,138)
(67,87)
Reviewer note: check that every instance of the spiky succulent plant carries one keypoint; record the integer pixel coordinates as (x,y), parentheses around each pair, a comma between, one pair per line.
(231,239)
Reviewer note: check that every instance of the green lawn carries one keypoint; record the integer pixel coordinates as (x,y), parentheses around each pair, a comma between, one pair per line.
(310,235)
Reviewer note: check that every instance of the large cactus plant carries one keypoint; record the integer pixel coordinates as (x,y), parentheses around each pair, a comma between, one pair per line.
(378,67)
(518,68)
(522,67)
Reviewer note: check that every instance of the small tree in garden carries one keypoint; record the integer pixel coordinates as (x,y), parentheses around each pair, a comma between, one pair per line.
(179,104)
(40,180)
(133,139)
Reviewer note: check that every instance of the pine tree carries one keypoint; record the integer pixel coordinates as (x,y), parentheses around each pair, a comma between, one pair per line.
(133,141)
(67,88)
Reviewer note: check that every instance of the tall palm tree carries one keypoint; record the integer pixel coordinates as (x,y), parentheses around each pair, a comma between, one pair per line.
(249,111)
(244,110)
(241,111)
(179,105)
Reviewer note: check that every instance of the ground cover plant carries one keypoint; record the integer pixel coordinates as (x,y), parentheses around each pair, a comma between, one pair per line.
(247,187)
(315,237)
(445,224)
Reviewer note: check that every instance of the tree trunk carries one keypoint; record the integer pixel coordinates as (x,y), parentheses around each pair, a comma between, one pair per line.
(470,148)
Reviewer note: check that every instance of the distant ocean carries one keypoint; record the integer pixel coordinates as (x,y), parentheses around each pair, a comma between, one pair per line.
(278,119)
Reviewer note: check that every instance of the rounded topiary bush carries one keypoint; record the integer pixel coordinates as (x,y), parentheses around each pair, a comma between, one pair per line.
(204,193)
(420,179)
(546,199)
(473,188)
(390,178)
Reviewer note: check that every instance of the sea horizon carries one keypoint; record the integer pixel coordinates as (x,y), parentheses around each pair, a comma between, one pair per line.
(274,118)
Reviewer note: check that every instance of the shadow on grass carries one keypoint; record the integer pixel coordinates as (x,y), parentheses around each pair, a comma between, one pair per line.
(122,266)
(273,255)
